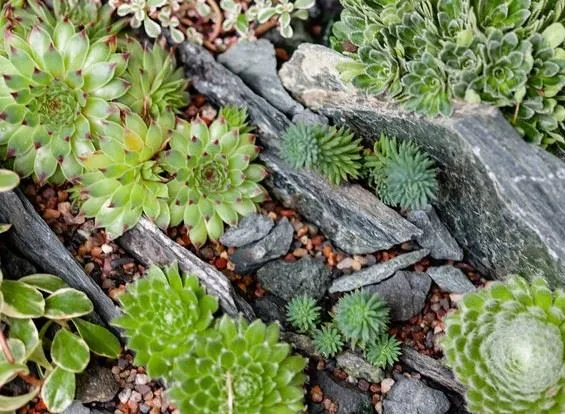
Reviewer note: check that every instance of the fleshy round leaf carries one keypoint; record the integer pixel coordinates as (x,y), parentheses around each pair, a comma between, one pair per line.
(45,282)
(8,180)
(69,351)
(67,303)
(99,340)
(58,390)
(21,300)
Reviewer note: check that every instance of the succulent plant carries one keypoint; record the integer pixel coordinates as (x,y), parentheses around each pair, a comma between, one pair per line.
(361,317)
(156,84)
(429,54)
(163,314)
(215,181)
(401,173)
(54,93)
(303,313)
(333,152)
(505,344)
(124,180)
(328,340)
(239,368)
(8,181)
(42,300)
(384,351)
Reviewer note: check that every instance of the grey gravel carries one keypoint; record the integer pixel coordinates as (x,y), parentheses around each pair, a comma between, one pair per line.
(411,396)
(250,229)
(450,279)
(96,384)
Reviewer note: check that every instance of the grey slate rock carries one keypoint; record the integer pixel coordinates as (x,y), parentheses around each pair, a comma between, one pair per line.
(450,279)
(348,399)
(405,293)
(377,273)
(270,308)
(411,396)
(436,237)
(14,266)
(256,64)
(276,244)
(358,367)
(502,198)
(308,117)
(76,408)
(96,384)
(287,280)
(250,228)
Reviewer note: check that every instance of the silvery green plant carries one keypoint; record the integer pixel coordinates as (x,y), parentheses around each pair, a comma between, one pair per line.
(42,313)
(431,54)
(506,345)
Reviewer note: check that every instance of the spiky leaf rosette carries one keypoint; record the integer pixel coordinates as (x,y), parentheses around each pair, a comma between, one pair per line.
(402,174)
(124,180)
(506,346)
(361,317)
(55,91)
(384,351)
(303,313)
(215,181)
(157,84)
(333,152)
(239,368)
(328,341)
(163,313)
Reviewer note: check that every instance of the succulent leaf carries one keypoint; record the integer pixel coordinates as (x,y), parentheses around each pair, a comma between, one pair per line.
(506,346)
(239,368)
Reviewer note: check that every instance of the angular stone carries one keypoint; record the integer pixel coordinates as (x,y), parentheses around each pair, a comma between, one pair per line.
(309,117)
(270,308)
(502,198)
(250,228)
(436,237)
(276,244)
(377,273)
(287,280)
(96,384)
(411,396)
(358,367)
(76,408)
(348,399)
(450,279)
(256,64)
(355,219)
(405,293)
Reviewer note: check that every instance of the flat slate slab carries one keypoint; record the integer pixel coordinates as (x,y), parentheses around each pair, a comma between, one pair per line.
(502,198)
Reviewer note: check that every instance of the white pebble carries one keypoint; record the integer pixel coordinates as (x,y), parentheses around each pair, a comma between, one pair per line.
(386,385)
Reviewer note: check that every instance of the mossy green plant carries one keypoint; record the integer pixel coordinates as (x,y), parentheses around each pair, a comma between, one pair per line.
(384,352)
(328,341)
(303,313)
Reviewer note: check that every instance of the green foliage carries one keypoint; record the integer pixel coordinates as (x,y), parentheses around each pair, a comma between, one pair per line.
(328,340)
(164,312)
(332,152)
(361,317)
(506,346)
(239,368)
(8,181)
(56,91)
(46,332)
(157,85)
(303,313)
(429,54)
(384,351)
(215,181)
(401,173)
(123,179)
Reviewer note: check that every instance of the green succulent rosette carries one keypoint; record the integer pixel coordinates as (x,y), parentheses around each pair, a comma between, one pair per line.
(163,314)
(505,344)
(123,179)
(239,368)
(156,84)
(215,181)
(55,92)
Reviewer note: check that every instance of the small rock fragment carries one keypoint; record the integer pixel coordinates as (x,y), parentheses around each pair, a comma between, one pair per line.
(96,384)
(348,399)
(270,308)
(450,279)
(412,396)
(358,367)
(250,229)
(386,385)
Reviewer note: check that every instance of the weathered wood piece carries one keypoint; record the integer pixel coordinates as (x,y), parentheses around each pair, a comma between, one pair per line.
(148,244)
(431,369)
(353,218)
(502,198)
(33,238)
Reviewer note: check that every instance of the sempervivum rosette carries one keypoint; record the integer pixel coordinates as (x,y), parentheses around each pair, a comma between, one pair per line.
(239,368)
(505,344)
(123,179)
(163,313)
(54,91)
(214,180)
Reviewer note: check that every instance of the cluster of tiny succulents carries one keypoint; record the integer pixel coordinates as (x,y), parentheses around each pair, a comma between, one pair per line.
(429,54)
(505,344)
(332,152)
(402,175)
(42,313)
(210,366)
(360,317)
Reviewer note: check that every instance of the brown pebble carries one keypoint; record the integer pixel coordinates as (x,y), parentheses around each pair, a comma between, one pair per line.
(316,394)
(300,252)
(363,385)
(51,214)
